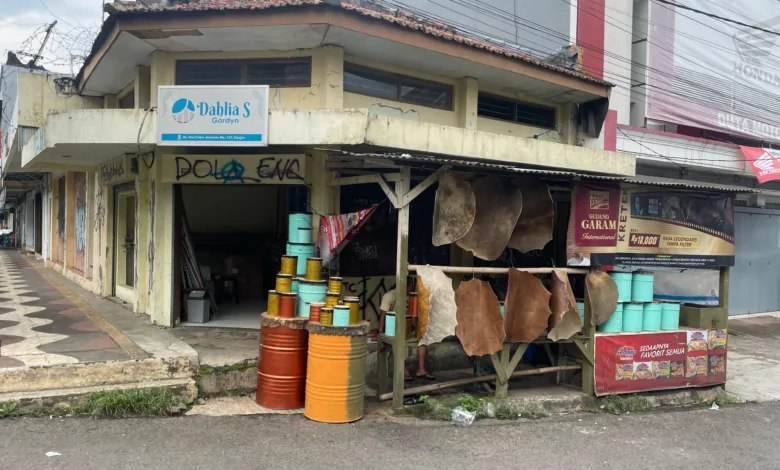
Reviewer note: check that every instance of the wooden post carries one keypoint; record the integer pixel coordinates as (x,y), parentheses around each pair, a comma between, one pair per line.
(588,380)
(723,288)
(401,267)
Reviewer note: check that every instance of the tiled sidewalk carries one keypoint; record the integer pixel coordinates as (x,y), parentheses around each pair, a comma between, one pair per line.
(41,325)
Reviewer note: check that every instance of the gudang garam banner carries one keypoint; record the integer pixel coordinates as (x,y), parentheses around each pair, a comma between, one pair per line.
(649,226)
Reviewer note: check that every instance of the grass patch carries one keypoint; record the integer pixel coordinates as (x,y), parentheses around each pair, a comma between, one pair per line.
(532,412)
(506,410)
(436,410)
(439,410)
(722,400)
(126,403)
(7,409)
(241,366)
(624,403)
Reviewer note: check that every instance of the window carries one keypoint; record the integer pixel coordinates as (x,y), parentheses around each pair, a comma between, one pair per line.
(272,72)
(372,82)
(496,107)
(127,101)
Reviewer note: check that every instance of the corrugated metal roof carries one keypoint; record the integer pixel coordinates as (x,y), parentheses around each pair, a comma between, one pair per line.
(476,164)
(687,184)
(398,17)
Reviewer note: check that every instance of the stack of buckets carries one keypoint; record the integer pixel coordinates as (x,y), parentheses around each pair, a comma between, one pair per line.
(300,290)
(636,311)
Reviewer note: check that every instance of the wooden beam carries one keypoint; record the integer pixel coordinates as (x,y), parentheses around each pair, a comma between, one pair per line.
(349,180)
(470,270)
(588,378)
(432,178)
(474,380)
(402,260)
(394,198)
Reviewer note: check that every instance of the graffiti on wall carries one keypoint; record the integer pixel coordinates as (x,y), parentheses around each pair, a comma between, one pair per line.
(370,291)
(150,253)
(115,171)
(81,227)
(235,169)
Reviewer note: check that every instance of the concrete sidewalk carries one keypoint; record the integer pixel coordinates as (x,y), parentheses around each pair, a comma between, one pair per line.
(57,339)
(753,368)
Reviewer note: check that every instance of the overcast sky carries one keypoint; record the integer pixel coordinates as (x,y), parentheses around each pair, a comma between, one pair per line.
(77,20)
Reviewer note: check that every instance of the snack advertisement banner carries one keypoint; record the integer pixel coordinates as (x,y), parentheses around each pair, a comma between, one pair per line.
(627,363)
(649,226)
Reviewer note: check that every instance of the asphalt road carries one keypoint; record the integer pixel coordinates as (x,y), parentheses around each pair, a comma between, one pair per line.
(741,436)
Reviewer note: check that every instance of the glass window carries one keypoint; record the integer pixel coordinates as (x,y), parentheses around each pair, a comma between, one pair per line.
(279,73)
(275,73)
(127,101)
(372,82)
(208,73)
(496,107)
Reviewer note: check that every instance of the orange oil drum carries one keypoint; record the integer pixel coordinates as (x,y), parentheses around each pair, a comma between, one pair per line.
(336,372)
(281,369)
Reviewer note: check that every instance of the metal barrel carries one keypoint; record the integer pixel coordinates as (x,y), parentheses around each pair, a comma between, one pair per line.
(273,303)
(281,369)
(287,304)
(314,311)
(326,315)
(308,292)
(283,283)
(302,251)
(331,299)
(341,315)
(354,309)
(336,372)
(296,221)
(334,284)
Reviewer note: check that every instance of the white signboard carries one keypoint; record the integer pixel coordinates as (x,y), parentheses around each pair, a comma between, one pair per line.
(213,116)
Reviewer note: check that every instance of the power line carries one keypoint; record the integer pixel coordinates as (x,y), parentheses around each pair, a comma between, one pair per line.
(718,17)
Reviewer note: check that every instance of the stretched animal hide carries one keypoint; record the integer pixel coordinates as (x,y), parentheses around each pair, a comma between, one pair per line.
(603,296)
(562,299)
(527,307)
(440,318)
(453,210)
(499,204)
(534,228)
(480,326)
(565,321)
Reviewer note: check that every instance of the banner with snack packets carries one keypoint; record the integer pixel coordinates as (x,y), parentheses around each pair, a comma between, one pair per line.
(649,226)
(641,362)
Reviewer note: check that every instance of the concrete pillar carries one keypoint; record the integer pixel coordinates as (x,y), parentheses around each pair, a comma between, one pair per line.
(110,102)
(143,84)
(327,72)
(142,247)
(161,228)
(567,123)
(466,96)
(324,197)
(163,72)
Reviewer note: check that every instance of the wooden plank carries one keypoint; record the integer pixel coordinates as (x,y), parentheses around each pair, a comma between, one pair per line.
(496,358)
(402,261)
(349,180)
(394,197)
(382,356)
(425,184)
(583,347)
(588,377)
(474,270)
(473,380)
(512,365)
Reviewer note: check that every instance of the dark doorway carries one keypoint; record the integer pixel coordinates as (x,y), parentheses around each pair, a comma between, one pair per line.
(39,223)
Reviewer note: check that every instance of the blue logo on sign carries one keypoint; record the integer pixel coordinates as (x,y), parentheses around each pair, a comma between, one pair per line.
(183,110)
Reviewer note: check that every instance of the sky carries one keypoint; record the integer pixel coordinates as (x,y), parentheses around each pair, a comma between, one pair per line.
(77,23)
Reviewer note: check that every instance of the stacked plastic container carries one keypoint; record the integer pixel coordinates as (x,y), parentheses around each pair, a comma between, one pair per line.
(637,310)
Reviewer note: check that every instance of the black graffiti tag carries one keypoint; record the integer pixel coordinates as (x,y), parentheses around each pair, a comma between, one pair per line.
(280,168)
(234,171)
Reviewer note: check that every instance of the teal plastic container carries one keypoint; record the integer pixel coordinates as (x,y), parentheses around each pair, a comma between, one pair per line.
(632,317)
(623,281)
(581,310)
(642,287)
(302,251)
(670,316)
(308,292)
(651,316)
(389,324)
(294,284)
(294,222)
(501,304)
(615,323)
(341,316)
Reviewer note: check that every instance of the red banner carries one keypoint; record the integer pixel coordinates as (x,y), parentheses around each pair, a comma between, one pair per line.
(764,162)
(641,362)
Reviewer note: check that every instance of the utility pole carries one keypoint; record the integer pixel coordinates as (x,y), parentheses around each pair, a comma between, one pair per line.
(45,40)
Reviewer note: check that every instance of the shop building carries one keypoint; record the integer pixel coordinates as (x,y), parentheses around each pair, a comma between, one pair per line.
(688,95)
(344,81)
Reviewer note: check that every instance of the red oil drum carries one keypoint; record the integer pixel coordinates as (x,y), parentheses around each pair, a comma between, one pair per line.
(314,311)
(281,369)
(412,304)
(287,304)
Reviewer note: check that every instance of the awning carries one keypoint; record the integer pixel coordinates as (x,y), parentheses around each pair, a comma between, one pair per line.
(687,184)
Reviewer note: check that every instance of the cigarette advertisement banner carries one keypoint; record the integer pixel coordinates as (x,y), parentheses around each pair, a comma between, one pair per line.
(627,363)
(649,226)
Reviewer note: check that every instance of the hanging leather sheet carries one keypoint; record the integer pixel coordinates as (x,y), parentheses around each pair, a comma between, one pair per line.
(602,295)
(527,307)
(453,210)
(480,326)
(440,319)
(499,204)
(534,228)
(565,321)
